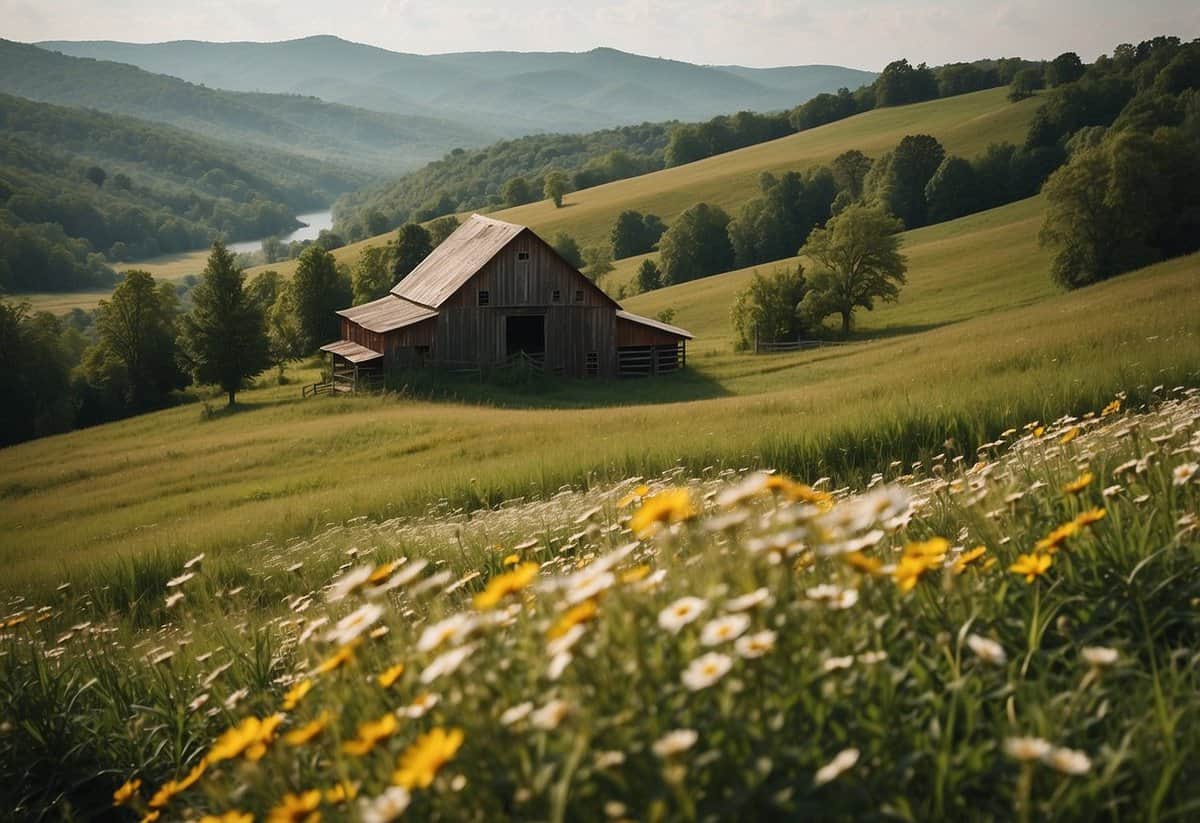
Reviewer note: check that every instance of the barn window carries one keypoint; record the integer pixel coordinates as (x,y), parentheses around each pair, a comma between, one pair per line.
(556,296)
(592,367)
(522,256)
(485,299)
(579,295)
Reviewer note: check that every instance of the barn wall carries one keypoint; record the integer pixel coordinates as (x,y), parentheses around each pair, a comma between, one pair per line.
(630,333)
(470,333)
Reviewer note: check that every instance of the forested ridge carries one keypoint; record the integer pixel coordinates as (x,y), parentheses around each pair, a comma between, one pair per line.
(74,183)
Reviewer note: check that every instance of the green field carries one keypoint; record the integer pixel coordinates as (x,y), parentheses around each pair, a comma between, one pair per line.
(979,341)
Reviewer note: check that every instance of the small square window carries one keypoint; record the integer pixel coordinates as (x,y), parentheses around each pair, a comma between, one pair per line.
(522,256)
(579,295)
(484,297)
(556,296)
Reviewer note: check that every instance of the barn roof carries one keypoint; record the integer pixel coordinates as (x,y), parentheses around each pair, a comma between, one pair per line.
(351,351)
(459,258)
(388,313)
(654,324)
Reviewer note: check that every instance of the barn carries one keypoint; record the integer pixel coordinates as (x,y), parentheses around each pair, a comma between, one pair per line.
(495,293)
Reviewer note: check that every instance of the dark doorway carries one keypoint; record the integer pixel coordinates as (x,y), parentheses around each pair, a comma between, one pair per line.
(525,333)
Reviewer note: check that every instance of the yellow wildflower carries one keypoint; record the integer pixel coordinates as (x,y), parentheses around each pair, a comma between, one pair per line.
(635,574)
(382,572)
(933,549)
(1071,434)
(422,761)
(171,788)
(1039,431)
(295,694)
(341,792)
(511,560)
(126,792)
(968,558)
(228,817)
(1051,542)
(1087,518)
(909,571)
(390,675)
(369,735)
(250,737)
(575,615)
(799,492)
(150,817)
(297,808)
(1079,483)
(670,506)
(308,732)
(505,584)
(1032,566)
(338,659)
(862,563)
(633,496)
(1111,408)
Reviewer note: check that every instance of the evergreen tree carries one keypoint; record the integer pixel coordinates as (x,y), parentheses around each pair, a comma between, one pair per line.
(224,339)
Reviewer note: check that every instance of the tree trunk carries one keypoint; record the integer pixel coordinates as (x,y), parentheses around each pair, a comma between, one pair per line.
(845,324)
(232,392)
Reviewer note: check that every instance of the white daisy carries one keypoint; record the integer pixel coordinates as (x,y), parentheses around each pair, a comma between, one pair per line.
(683,611)
(755,645)
(723,629)
(548,717)
(350,627)
(1067,761)
(747,601)
(706,670)
(842,761)
(386,807)
(1026,749)
(1099,655)
(446,663)
(675,742)
(348,583)
(516,713)
(988,650)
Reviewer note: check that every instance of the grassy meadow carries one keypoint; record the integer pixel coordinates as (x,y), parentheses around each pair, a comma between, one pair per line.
(1005,636)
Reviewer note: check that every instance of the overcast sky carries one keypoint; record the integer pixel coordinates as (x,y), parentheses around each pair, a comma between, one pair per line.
(859,33)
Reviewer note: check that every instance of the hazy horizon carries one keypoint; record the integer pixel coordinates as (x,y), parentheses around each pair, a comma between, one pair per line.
(761,33)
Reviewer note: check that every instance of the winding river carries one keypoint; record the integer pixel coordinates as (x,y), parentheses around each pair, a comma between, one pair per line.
(313,223)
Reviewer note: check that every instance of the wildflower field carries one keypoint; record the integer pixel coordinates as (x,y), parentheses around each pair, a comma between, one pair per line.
(1006,634)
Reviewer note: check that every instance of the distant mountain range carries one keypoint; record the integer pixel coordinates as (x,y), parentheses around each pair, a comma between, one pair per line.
(370,142)
(504,93)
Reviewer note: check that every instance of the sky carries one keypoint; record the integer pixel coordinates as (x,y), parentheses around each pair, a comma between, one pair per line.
(858,33)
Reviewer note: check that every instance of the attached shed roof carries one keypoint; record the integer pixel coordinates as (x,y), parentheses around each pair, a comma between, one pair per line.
(351,351)
(654,324)
(459,258)
(386,314)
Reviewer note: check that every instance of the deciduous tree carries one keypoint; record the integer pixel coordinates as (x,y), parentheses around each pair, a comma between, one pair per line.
(137,327)
(696,245)
(859,262)
(372,274)
(769,308)
(412,245)
(318,289)
(555,186)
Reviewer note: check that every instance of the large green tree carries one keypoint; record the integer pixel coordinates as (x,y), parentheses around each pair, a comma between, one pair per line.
(850,169)
(223,339)
(649,276)
(318,289)
(696,245)
(137,329)
(898,179)
(412,245)
(858,263)
(34,369)
(953,191)
(442,228)
(568,248)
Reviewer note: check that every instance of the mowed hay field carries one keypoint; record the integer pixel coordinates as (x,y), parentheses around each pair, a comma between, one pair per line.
(175,482)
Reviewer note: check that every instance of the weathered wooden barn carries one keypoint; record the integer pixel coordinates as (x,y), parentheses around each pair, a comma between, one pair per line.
(494,293)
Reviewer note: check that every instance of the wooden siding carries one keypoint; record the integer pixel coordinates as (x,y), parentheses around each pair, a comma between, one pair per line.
(575,329)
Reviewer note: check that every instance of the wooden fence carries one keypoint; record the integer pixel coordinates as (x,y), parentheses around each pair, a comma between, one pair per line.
(761,347)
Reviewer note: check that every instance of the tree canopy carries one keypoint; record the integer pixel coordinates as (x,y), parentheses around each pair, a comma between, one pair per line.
(859,262)
(412,245)
(317,290)
(696,245)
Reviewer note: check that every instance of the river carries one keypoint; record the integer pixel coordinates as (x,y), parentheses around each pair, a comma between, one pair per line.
(313,223)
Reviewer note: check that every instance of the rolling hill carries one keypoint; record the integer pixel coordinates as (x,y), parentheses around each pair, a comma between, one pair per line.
(978,288)
(515,93)
(965,125)
(369,141)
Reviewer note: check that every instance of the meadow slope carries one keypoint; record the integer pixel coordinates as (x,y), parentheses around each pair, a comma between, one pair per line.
(175,482)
